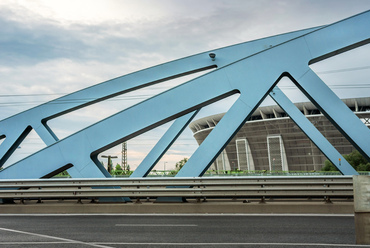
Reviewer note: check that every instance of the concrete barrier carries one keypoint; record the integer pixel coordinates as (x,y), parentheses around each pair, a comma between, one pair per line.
(361,187)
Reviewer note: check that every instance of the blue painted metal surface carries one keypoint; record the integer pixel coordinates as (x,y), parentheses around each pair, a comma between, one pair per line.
(250,69)
(312,133)
(291,58)
(336,111)
(36,118)
(163,145)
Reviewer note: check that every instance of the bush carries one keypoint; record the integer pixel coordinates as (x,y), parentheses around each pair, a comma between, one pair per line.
(358,162)
(329,166)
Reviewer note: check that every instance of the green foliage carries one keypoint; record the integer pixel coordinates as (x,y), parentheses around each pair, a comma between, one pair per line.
(363,167)
(181,163)
(63,174)
(329,166)
(172,172)
(355,159)
(118,171)
(358,162)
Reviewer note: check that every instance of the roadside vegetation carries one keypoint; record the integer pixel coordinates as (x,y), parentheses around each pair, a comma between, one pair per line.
(358,162)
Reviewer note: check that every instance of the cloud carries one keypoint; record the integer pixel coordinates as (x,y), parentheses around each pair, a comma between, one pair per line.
(29,37)
(52,47)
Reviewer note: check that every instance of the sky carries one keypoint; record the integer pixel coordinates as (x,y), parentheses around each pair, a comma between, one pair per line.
(49,48)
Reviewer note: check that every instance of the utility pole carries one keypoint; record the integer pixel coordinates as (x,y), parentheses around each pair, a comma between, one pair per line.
(109,167)
(124,156)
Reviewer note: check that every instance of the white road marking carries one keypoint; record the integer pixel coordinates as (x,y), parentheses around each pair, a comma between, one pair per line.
(171,225)
(239,244)
(214,214)
(36,243)
(99,244)
(52,237)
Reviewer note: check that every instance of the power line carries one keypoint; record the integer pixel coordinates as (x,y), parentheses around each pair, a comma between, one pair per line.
(41,94)
(160,88)
(69,101)
(142,97)
(344,70)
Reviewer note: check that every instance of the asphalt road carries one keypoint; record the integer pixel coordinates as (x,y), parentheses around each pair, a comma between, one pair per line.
(176,231)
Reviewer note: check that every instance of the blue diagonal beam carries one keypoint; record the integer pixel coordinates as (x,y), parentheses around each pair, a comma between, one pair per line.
(339,37)
(216,141)
(47,136)
(163,145)
(312,133)
(230,124)
(324,43)
(336,111)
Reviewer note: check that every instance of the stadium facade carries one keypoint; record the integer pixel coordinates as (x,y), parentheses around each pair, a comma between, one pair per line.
(270,140)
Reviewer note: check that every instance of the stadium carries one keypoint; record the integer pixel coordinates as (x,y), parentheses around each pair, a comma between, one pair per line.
(271,141)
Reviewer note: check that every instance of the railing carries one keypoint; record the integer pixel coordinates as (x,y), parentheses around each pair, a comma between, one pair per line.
(328,186)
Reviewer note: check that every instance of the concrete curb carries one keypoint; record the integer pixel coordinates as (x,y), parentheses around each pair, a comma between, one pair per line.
(71,207)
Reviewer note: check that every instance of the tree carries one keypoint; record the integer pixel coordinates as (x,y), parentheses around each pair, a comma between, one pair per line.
(328,166)
(358,162)
(63,174)
(118,167)
(181,163)
(117,170)
(355,159)
(363,167)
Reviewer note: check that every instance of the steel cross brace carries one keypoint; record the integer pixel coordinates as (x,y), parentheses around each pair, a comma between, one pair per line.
(163,145)
(250,69)
(312,133)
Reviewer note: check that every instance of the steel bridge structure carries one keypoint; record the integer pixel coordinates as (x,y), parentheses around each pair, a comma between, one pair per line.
(251,70)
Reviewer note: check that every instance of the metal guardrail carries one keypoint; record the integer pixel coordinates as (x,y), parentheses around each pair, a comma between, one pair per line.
(328,186)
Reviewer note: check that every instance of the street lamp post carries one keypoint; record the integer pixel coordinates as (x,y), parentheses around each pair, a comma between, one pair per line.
(164,168)
(109,168)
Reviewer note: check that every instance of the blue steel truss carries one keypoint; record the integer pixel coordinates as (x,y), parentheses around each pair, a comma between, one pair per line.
(251,69)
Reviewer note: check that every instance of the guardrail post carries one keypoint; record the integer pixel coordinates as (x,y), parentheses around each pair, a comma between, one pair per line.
(328,200)
(361,194)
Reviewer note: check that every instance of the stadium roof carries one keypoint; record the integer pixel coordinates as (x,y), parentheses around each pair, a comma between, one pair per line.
(357,105)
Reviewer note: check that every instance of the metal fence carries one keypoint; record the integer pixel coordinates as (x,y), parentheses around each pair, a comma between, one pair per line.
(227,187)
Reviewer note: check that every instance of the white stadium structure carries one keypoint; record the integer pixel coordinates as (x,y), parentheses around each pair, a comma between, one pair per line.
(270,140)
